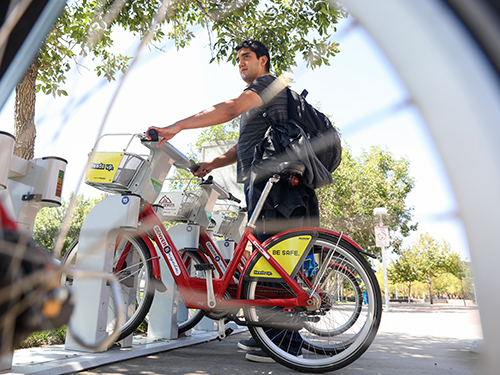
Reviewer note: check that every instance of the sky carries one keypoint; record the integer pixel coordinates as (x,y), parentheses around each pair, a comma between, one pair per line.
(359,90)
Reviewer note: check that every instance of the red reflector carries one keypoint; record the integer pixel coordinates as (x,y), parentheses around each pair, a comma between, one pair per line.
(294,181)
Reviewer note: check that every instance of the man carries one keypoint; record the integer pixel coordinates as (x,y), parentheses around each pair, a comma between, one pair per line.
(264,92)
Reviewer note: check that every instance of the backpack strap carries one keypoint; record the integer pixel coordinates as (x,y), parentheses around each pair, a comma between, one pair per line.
(265,115)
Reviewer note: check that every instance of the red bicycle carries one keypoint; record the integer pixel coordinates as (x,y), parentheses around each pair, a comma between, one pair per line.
(310,283)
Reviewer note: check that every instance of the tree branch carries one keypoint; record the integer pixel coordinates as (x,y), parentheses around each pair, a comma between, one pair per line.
(216,19)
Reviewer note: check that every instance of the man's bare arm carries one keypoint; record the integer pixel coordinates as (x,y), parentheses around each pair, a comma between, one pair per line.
(218,114)
(223,160)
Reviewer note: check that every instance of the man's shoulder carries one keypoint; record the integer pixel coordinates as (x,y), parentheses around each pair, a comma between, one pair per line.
(262,81)
(266,78)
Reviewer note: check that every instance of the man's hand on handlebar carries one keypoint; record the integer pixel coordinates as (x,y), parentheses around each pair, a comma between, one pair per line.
(167,133)
(204,169)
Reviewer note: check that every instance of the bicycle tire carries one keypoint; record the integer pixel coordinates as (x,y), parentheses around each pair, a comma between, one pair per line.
(328,348)
(139,273)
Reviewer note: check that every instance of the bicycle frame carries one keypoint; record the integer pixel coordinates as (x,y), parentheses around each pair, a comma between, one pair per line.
(194,290)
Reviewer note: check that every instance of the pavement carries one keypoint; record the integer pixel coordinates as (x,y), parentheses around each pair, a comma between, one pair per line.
(412,339)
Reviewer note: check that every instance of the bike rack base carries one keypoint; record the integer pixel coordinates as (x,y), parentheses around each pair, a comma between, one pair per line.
(55,360)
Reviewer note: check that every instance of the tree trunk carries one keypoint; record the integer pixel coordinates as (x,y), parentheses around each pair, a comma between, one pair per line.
(463,294)
(430,292)
(24,114)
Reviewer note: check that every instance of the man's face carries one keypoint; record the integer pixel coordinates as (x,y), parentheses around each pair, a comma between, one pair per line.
(250,66)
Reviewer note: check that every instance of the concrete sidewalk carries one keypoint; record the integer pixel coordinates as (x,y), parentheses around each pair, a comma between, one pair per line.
(413,339)
(416,339)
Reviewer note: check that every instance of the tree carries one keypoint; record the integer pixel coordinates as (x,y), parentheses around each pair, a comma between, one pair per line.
(403,271)
(374,179)
(49,221)
(447,285)
(459,269)
(221,132)
(431,259)
(434,264)
(86,28)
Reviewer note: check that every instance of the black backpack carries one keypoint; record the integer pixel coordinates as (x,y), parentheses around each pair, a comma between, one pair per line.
(323,136)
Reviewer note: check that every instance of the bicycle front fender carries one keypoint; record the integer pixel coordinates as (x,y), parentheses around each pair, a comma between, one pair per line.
(155,261)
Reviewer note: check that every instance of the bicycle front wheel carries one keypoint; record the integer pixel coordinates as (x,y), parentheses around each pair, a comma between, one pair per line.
(132,266)
(342,327)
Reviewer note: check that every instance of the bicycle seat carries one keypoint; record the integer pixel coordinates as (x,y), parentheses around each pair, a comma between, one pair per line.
(284,168)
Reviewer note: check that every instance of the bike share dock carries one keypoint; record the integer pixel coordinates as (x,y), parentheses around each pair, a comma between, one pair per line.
(113,214)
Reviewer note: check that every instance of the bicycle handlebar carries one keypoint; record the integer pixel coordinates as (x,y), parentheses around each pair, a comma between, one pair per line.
(185,163)
(193,166)
(233,198)
(224,194)
(153,134)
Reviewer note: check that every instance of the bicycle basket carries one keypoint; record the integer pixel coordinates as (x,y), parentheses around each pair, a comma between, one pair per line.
(177,206)
(113,171)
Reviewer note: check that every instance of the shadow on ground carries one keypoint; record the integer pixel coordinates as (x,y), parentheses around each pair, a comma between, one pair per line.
(391,353)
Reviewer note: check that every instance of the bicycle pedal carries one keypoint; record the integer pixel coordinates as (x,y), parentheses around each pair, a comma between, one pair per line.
(227,332)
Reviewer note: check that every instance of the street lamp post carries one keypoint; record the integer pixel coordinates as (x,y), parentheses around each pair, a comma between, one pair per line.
(382,241)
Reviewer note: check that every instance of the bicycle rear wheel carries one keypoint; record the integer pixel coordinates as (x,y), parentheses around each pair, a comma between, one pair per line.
(134,275)
(340,330)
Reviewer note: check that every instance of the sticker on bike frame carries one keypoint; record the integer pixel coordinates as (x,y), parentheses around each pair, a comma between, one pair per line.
(287,253)
(104,166)
(157,186)
(216,257)
(167,250)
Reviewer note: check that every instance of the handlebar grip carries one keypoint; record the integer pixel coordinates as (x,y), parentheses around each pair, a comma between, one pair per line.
(233,198)
(193,166)
(153,134)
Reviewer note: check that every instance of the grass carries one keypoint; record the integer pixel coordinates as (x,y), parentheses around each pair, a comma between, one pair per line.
(58,337)
(44,338)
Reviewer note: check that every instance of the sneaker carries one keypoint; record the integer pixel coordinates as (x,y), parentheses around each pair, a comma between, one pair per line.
(248,345)
(259,356)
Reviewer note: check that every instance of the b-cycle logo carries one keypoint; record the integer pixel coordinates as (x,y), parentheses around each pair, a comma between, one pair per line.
(166,202)
(166,248)
(216,257)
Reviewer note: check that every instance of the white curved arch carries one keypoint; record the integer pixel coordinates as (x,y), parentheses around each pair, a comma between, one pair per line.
(458,95)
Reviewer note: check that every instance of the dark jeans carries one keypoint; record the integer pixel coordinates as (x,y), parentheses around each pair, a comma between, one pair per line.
(289,341)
